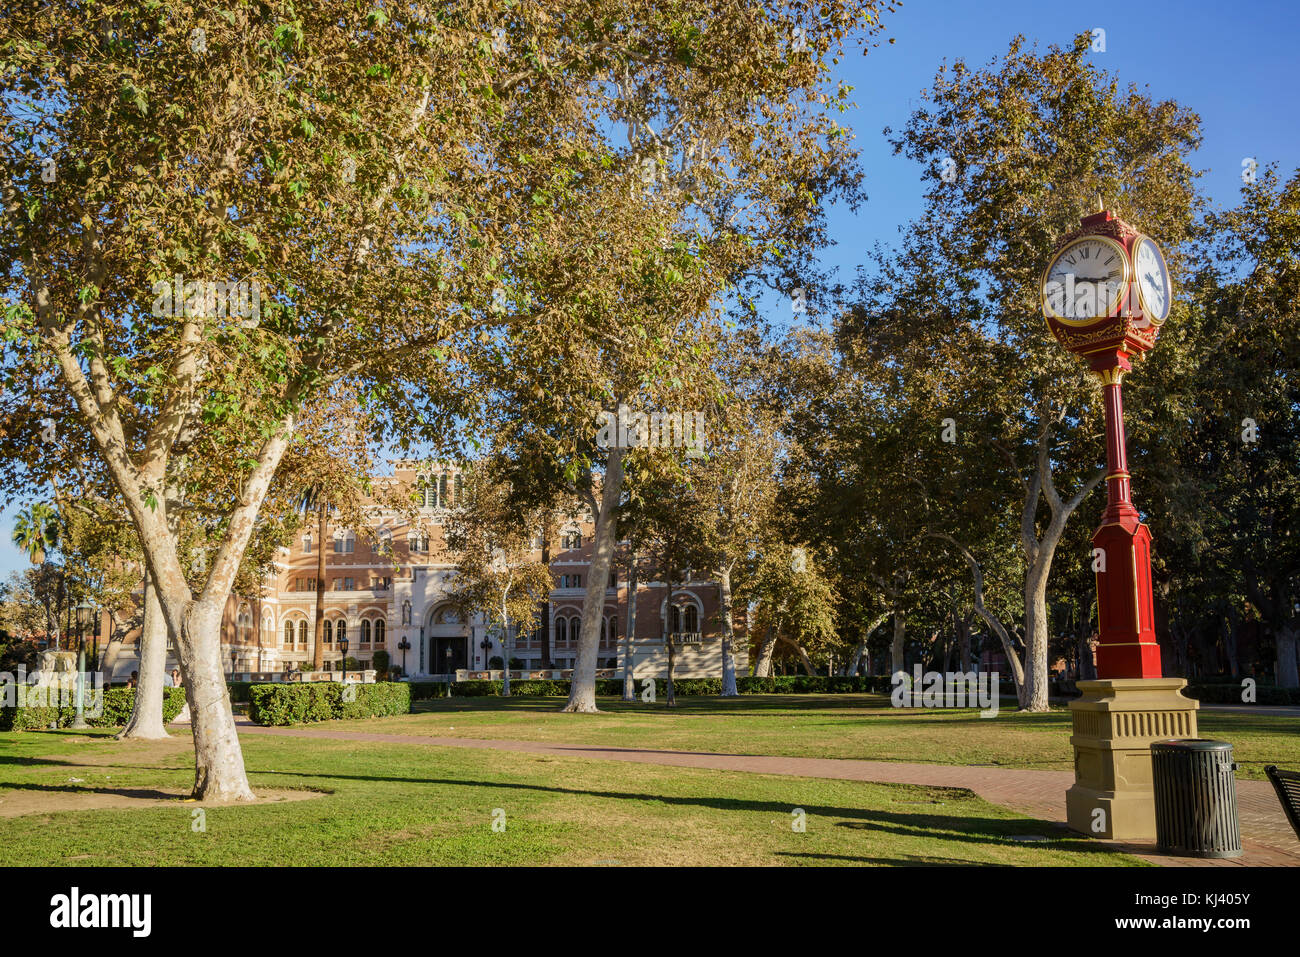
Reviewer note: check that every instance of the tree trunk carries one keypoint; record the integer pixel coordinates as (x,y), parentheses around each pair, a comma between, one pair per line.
(505,651)
(1230,625)
(219,761)
(898,647)
(671,697)
(763,669)
(147,714)
(803,657)
(318,632)
(1087,666)
(855,661)
(629,686)
(582,689)
(728,662)
(1287,676)
(1036,684)
(546,605)
(963,641)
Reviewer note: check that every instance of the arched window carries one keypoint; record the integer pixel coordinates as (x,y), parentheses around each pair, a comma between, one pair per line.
(575,629)
(675,619)
(460,490)
(443,501)
(692,618)
(561,626)
(365,631)
(302,632)
(604,632)
(341,630)
(379,631)
(613,628)
(288,633)
(329,632)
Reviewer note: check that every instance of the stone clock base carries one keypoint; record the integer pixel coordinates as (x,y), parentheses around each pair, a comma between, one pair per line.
(1115,723)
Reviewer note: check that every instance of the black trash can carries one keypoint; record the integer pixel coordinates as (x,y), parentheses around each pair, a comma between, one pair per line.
(1196,798)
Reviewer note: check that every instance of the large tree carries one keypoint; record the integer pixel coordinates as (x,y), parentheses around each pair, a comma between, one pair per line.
(1014,154)
(378,184)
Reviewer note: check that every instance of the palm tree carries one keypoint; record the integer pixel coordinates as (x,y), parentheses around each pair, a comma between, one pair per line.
(36,530)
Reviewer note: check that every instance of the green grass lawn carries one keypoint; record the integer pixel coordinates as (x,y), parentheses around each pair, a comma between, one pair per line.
(399,804)
(820,726)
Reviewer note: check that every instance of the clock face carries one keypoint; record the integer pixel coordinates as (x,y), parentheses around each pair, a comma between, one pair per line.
(1152,280)
(1086,280)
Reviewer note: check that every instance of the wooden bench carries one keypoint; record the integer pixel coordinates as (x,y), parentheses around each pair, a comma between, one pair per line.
(1287,784)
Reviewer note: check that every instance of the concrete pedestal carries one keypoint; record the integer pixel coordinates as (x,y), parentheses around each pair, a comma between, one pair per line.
(1115,722)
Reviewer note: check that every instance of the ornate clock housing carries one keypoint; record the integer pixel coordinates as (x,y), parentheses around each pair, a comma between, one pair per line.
(1105,291)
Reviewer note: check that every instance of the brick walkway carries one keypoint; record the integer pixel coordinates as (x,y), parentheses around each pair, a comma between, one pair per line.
(1267,838)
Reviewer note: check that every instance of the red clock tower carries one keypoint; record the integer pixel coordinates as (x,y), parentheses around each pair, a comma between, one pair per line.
(1101,314)
(1106,293)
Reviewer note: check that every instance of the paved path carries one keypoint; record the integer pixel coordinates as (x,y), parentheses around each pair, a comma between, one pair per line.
(1267,838)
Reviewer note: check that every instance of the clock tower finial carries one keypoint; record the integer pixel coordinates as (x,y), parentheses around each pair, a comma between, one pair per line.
(1100,205)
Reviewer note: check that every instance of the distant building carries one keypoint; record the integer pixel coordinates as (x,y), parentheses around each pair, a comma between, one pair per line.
(378,601)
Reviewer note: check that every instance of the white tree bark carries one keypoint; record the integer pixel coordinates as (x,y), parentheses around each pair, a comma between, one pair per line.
(147,716)
(629,685)
(763,668)
(582,689)
(728,660)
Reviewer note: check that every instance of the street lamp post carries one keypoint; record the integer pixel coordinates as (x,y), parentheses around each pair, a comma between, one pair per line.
(343,650)
(84,611)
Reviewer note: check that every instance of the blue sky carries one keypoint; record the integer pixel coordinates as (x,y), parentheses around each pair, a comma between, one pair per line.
(1234,64)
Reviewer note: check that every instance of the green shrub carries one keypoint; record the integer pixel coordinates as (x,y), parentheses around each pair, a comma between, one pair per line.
(118,706)
(381,663)
(302,702)
(239,690)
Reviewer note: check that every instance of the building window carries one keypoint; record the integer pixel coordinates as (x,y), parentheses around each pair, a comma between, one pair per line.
(341,630)
(345,543)
(575,629)
(306,544)
(288,633)
(604,632)
(571,539)
(329,632)
(613,579)
(302,632)
(379,631)
(443,501)
(613,628)
(365,631)
(460,490)
(692,619)
(561,628)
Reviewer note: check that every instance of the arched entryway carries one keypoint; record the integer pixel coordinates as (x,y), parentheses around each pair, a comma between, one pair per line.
(448,640)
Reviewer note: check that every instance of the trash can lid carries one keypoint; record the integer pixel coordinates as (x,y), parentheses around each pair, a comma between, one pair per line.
(1191,744)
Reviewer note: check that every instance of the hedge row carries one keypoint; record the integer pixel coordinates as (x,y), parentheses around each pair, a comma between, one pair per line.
(119,703)
(1231,693)
(298,703)
(613,687)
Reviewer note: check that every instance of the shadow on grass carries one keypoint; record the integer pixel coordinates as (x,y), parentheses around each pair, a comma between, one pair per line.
(974,830)
(910,860)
